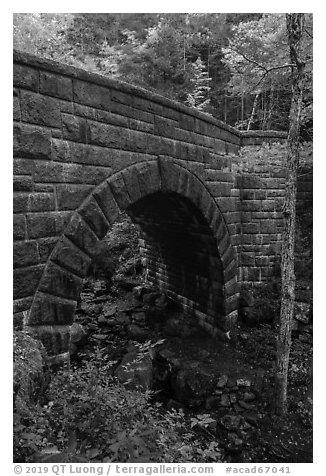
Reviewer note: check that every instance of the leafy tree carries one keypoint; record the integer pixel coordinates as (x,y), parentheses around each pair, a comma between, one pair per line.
(199,97)
(159,63)
(260,71)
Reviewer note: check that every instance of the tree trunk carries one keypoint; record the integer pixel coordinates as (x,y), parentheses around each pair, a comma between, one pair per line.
(295,23)
(253,111)
(271,107)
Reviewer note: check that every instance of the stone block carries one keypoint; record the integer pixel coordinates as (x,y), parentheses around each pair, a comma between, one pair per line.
(114,119)
(186,122)
(141,126)
(92,155)
(16,109)
(91,175)
(164,127)
(56,85)
(70,257)
(39,109)
(119,190)
(105,199)
(45,247)
(250,228)
(70,197)
(23,304)
(252,181)
(130,177)
(26,77)
(105,135)
(26,280)
(49,224)
(59,282)
(92,95)
(94,217)
(260,194)
(85,111)
(55,338)
(30,141)
(135,141)
(147,105)
(269,226)
(22,183)
(248,259)
(60,150)
(41,202)
(75,128)
(228,256)
(122,97)
(82,236)
(253,274)
(169,175)
(44,187)
(184,178)
(25,253)
(149,177)
(230,270)
(19,227)
(20,202)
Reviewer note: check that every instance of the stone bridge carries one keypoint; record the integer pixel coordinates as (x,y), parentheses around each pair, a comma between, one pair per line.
(87,149)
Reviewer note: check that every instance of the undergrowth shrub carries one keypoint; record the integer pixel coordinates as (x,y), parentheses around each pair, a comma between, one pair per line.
(91,414)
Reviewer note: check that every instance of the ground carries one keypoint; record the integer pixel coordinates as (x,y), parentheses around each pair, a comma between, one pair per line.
(224,389)
(255,434)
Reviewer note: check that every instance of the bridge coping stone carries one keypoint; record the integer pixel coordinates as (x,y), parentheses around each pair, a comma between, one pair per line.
(31,61)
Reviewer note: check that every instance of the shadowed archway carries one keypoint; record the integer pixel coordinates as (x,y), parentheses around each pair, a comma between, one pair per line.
(186,244)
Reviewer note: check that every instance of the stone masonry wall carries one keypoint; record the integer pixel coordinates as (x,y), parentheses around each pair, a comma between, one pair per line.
(73,130)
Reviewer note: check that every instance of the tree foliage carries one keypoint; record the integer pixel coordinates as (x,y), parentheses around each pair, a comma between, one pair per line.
(244,57)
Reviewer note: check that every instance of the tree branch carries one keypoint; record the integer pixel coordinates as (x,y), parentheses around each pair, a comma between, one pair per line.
(250,60)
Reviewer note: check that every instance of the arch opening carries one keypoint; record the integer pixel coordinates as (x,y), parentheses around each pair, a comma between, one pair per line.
(180,252)
(186,244)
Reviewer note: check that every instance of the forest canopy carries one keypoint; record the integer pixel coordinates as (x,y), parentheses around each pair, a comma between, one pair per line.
(235,66)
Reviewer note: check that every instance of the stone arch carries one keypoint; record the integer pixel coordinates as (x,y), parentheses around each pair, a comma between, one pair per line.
(53,308)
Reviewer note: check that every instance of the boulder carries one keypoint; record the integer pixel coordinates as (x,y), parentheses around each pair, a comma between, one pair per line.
(166,364)
(90,308)
(29,370)
(192,387)
(137,333)
(302,312)
(109,309)
(222,381)
(78,335)
(135,371)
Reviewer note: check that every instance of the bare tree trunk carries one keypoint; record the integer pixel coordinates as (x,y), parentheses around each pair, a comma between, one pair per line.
(253,111)
(295,22)
(271,107)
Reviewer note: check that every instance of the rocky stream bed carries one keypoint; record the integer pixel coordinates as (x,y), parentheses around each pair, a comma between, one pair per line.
(228,386)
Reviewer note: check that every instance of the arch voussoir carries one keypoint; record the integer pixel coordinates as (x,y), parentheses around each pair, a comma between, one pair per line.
(94,217)
(169,175)
(149,177)
(51,310)
(82,236)
(67,255)
(105,199)
(60,282)
(56,340)
(120,191)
